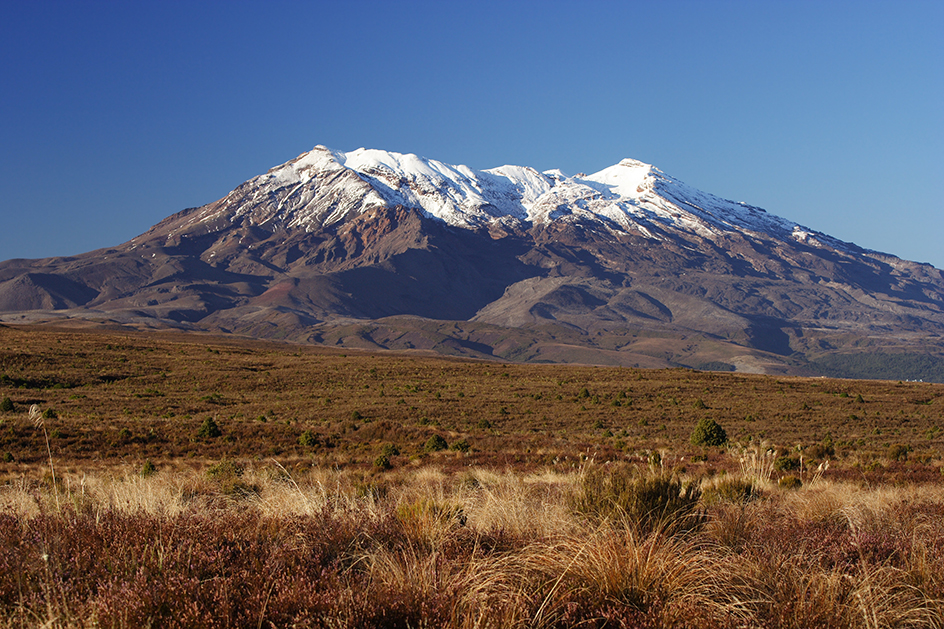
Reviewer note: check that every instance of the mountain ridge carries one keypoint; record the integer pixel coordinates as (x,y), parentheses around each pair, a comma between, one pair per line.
(572,267)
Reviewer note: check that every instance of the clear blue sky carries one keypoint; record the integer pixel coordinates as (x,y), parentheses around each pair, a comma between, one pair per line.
(118,114)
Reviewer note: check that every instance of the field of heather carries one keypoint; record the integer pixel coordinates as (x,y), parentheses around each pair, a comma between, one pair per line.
(181,481)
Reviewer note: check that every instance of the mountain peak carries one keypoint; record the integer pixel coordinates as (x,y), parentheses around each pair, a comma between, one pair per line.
(325,186)
(623,266)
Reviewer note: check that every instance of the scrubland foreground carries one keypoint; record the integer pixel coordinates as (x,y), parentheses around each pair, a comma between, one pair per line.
(605,546)
(153,480)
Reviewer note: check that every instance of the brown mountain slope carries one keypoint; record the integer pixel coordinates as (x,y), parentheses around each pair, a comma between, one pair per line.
(576,289)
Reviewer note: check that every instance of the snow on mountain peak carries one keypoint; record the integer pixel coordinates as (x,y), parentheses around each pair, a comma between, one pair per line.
(323,186)
(626,179)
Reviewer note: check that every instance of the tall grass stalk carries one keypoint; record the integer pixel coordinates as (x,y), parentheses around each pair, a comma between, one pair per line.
(756,463)
(36,417)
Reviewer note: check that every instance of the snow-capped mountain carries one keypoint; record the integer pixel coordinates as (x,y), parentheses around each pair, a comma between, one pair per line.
(625,266)
(324,187)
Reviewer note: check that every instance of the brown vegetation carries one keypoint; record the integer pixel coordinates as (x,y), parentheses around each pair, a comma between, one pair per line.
(199,482)
(469,549)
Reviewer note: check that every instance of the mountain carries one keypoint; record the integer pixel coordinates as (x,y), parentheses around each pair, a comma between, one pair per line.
(626,266)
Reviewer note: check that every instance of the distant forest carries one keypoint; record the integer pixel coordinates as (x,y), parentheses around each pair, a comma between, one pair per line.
(879,366)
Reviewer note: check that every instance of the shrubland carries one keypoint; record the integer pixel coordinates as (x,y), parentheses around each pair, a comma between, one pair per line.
(179,481)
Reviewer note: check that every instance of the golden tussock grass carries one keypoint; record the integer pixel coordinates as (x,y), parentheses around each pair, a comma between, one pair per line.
(482,548)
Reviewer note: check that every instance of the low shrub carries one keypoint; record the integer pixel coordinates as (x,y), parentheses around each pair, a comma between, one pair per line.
(897,452)
(308,439)
(789,482)
(148,469)
(708,432)
(227,475)
(209,429)
(461,445)
(6,405)
(435,444)
(787,464)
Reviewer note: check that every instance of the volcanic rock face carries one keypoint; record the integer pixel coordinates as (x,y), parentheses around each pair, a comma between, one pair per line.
(378,249)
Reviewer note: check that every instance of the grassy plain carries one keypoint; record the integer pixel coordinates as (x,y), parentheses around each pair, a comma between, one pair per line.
(201,481)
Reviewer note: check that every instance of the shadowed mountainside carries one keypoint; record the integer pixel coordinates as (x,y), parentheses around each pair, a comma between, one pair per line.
(686,279)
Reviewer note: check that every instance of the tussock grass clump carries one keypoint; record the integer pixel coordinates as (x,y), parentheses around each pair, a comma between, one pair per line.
(478,548)
(729,488)
(643,500)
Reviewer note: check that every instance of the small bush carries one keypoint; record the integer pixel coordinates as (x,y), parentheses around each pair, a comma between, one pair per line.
(390,449)
(897,452)
(6,405)
(708,432)
(228,477)
(461,446)
(786,464)
(383,463)
(50,413)
(209,429)
(148,469)
(790,482)
(435,443)
(820,451)
(224,469)
(308,439)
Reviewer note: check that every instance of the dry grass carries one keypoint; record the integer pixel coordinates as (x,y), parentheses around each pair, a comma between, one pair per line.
(580,502)
(470,549)
(132,398)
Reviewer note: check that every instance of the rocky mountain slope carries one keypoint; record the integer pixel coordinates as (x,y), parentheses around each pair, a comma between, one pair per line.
(382,250)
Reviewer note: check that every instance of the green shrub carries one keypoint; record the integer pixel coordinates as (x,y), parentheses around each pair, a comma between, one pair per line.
(50,413)
(389,450)
(790,482)
(461,446)
(382,462)
(308,439)
(643,501)
(708,432)
(786,464)
(6,405)
(820,450)
(209,429)
(225,469)
(897,452)
(435,443)
(227,475)
(148,469)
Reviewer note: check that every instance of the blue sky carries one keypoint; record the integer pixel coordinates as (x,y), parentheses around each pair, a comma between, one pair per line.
(117,114)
